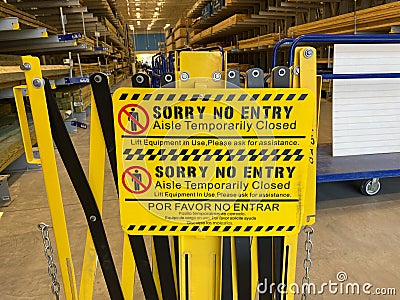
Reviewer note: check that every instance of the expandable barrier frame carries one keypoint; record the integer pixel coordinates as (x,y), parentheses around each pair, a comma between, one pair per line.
(227,265)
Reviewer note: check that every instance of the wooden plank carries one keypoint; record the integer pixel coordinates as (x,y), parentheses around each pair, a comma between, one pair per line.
(223,28)
(182,22)
(374,18)
(260,41)
(180,43)
(11,146)
(14,73)
(180,33)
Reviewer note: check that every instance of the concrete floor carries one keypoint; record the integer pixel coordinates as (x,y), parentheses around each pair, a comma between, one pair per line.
(354,234)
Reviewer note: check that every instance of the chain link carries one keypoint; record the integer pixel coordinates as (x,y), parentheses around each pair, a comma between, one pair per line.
(307,264)
(48,253)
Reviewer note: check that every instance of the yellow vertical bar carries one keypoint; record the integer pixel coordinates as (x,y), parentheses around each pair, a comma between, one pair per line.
(96,181)
(128,270)
(156,275)
(307,60)
(308,68)
(23,124)
(290,254)
(200,267)
(254,266)
(234,270)
(174,266)
(50,174)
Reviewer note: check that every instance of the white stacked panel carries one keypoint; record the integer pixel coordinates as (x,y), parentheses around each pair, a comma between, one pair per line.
(366,112)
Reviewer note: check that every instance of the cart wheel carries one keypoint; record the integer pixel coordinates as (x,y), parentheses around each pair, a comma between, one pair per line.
(370,187)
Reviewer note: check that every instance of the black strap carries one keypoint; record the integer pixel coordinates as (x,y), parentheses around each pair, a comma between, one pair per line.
(285,280)
(243,266)
(176,252)
(227,284)
(164,265)
(84,192)
(102,97)
(278,262)
(143,266)
(265,278)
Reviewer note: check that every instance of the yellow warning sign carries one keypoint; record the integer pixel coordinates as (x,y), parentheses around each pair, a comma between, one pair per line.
(213,161)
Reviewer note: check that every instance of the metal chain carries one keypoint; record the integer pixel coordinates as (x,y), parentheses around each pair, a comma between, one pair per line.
(307,264)
(48,253)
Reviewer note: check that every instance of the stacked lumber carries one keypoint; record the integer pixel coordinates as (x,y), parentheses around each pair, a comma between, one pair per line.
(196,9)
(12,75)
(260,41)
(183,23)
(76,97)
(221,27)
(235,19)
(24,18)
(193,32)
(178,36)
(380,17)
(171,47)
(240,67)
(86,68)
(180,33)
(11,146)
(180,43)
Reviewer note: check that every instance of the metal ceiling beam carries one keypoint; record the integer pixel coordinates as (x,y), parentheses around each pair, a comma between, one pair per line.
(72,17)
(26,34)
(10,23)
(56,11)
(315,1)
(287,9)
(48,49)
(302,5)
(275,14)
(46,4)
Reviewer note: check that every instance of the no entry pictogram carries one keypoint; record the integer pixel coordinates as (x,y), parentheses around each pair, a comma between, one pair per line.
(136,180)
(133,119)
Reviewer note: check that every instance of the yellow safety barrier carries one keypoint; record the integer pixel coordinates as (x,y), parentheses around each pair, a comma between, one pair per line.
(35,89)
(224,173)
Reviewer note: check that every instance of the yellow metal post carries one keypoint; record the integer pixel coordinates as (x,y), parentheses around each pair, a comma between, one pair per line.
(156,275)
(96,181)
(200,267)
(23,123)
(306,59)
(33,76)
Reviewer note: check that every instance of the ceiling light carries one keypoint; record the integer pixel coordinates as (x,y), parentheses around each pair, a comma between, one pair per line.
(138,8)
(138,14)
(138,22)
(167,26)
(157,8)
(156,13)
(159,4)
(131,27)
(137,4)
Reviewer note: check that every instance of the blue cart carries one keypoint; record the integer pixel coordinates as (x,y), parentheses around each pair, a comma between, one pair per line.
(368,168)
